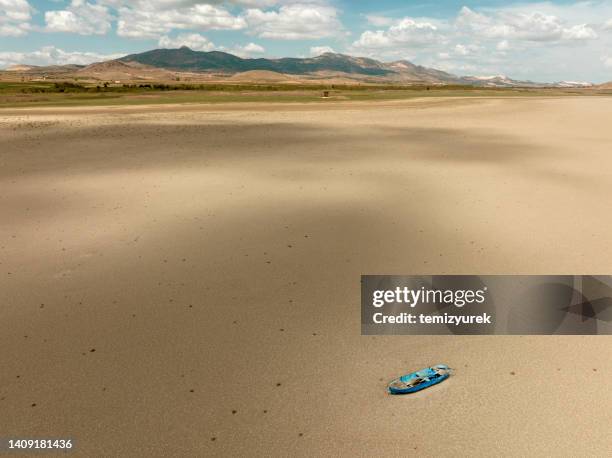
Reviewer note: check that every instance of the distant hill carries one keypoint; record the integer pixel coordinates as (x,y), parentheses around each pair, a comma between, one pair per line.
(262,76)
(185,64)
(504,81)
(496,81)
(37,69)
(20,68)
(117,70)
(185,59)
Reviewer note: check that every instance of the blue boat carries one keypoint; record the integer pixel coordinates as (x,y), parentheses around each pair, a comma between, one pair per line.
(419,380)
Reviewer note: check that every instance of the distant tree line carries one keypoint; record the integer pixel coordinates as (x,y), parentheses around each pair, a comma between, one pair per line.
(66,86)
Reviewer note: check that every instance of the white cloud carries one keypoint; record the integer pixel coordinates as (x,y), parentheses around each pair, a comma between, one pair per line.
(608,25)
(245,51)
(151,22)
(607,61)
(407,32)
(299,21)
(372,39)
(170,4)
(194,41)
(199,42)
(14,17)
(462,50)
(519,25)
(50,55)
(160,5)
(543,40)
(80,17)
(579,32)
(318,50)
(253,48)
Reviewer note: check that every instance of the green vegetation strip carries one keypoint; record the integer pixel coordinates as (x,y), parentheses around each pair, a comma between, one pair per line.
(15,94)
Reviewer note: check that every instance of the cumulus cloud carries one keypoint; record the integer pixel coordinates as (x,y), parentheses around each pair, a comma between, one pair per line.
(151,22)
(407,32)
(14,17)
(607,61)
(579,32)
(462,50)
(194,41)
(298,21)
(80,17)
(247,50)
(533,40)
(153,19)
(253,48)
(518,25)
(290,21)
(608,25)
(199,42)
(160,5)
(50,55)
(318,50)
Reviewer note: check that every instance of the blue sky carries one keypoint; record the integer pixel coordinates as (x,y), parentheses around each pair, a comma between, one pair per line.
(543,41)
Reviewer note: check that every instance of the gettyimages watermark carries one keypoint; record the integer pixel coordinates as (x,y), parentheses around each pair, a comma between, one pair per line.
(487,304)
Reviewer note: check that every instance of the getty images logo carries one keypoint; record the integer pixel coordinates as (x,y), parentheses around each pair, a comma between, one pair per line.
(413,297)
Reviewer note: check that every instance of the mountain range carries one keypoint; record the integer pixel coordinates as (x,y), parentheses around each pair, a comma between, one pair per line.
(327,64)
(163,64)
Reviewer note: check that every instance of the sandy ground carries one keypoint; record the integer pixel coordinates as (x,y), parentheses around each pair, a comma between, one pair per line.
(185,281)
